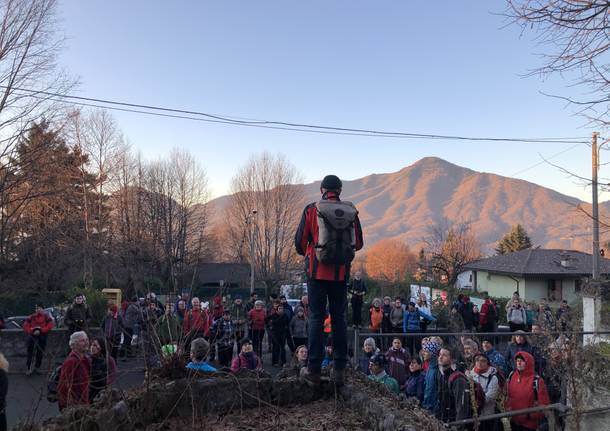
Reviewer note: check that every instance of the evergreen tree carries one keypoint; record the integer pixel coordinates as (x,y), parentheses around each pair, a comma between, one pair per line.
(515,240)
(50,232)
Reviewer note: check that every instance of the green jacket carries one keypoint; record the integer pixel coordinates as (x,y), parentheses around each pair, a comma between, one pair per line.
(168,329)
(239,317)
(387,380)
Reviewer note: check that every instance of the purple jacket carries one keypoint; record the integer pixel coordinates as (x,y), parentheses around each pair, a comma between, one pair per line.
(415,386)
(398,365)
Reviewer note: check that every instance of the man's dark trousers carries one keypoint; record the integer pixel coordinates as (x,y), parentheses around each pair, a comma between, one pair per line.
(319,292)
(357,310)
(37,343)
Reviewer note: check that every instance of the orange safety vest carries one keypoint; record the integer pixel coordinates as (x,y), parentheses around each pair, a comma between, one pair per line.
(376,318)
(327,325)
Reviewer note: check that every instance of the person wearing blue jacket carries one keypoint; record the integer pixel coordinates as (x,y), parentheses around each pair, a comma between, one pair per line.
(431,349)
(496,359)
(416,382)
(410,324)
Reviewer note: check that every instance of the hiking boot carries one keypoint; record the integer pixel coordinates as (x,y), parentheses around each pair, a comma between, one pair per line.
(309,377)
(338,376)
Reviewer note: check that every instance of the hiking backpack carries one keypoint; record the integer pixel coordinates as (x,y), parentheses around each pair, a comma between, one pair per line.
(53,384)
(501,380)
(479,393)
(336,232)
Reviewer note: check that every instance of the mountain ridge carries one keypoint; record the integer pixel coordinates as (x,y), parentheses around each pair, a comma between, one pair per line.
(404,204)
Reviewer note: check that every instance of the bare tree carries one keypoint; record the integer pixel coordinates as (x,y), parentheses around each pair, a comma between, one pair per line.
(390,260)
(450,247)
(98,139)
(576,33)
(266,185)
(131,237)
(28,52)
(177,191)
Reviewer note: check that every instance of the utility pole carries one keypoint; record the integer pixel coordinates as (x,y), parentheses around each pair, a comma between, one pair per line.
(249,221)
(595,207)
(591,304)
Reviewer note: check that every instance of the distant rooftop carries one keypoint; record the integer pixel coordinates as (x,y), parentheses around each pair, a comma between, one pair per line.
(541,262)
(232,274)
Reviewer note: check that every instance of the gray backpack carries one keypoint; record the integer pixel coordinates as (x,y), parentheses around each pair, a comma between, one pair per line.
(336,232)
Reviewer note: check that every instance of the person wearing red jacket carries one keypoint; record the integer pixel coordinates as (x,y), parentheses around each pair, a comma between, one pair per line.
(73,387)
(218,309)
(36,327)
(196,322)
(488,316)
(257,319)
(525,390)
(328,254)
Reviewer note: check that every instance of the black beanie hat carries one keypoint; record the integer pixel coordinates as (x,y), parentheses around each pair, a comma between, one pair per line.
(331,182)
(378,359)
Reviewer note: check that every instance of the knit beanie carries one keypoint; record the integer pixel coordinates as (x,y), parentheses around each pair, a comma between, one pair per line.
(431,346)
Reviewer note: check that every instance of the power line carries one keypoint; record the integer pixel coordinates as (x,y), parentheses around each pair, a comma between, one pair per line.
(272,124)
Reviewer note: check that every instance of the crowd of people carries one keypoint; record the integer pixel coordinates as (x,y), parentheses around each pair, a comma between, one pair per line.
(463,376)
(230,335)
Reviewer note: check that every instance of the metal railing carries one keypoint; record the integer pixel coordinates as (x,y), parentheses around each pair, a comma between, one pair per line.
(551,407)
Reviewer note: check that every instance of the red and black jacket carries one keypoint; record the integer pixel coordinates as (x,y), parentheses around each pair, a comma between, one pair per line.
(307,237)
(40,321)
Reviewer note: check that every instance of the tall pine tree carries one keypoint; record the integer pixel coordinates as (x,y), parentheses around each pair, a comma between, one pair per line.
(515,240)
(50,231)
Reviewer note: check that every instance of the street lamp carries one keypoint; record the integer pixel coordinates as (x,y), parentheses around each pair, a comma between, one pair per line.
(250,224)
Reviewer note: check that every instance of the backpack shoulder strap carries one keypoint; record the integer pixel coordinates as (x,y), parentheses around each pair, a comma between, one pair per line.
(535,387)
(456,375)
(491,376)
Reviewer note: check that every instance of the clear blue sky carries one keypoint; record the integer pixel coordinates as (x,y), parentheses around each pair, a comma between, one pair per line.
(429,67)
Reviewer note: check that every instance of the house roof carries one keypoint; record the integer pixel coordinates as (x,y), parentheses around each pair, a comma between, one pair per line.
(541,263)
(231,273)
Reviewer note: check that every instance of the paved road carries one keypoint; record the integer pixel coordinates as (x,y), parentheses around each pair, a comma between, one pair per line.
(27,400)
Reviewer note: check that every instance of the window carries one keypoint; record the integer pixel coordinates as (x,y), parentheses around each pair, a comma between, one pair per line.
(554,291)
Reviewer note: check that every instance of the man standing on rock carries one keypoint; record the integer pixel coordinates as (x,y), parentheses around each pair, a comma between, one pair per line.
(328,236)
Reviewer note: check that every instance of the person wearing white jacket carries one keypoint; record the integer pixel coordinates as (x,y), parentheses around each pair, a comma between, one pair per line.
(517,316)
(487,377)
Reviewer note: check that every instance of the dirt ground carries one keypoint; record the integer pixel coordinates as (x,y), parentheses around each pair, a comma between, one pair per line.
(323,415)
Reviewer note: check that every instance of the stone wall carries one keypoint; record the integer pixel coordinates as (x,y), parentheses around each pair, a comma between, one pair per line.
(13,342)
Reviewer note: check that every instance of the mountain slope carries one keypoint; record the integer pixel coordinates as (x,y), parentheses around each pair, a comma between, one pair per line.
(406,203)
